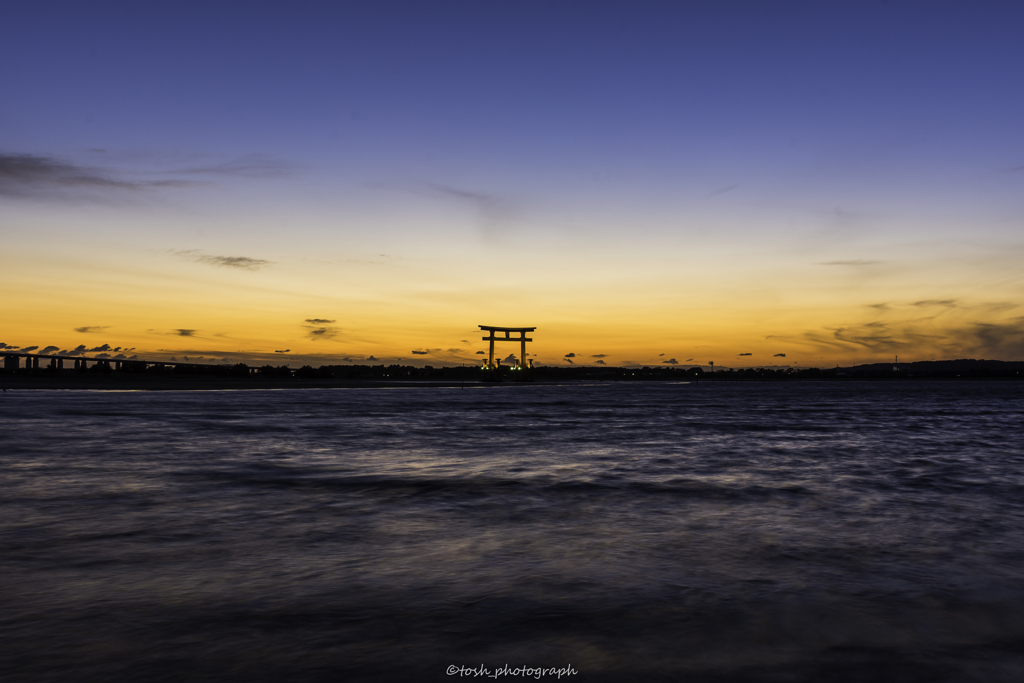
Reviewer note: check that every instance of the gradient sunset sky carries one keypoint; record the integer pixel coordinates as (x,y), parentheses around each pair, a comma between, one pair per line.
(838,182)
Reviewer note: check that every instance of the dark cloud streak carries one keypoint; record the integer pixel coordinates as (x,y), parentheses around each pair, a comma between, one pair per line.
(36,176)
(320,328)
(240,262)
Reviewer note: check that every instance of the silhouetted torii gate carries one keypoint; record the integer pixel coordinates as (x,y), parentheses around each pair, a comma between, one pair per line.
(522,339)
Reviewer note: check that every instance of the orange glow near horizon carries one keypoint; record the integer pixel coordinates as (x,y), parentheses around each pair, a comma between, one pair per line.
(739,308)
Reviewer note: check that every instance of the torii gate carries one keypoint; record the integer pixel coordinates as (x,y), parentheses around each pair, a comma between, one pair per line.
(522,339)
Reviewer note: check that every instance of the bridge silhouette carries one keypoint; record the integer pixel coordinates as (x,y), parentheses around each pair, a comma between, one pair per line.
(12,361)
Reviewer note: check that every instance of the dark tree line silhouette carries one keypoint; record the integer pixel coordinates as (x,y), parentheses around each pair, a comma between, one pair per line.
(952,369)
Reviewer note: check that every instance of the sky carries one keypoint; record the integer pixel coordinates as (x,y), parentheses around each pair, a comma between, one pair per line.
(749,183)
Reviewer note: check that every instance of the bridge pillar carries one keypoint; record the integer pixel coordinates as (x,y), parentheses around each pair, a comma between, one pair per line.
(11,362)
(35,363)
(60,363)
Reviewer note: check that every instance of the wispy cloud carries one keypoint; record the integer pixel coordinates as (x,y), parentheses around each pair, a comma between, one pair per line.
(178,332)
(320,328)
(490,206)
(950,329)
(722,190)
(249,166)
(875,336)
(850,262)
(39,176)
(322,333)
(671,361)
(240,262)
(494,212)
(998,306)
(1002,341)
(92,328)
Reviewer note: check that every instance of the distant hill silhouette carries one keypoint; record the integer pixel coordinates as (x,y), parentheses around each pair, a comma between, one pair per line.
(959,364)
(962,367)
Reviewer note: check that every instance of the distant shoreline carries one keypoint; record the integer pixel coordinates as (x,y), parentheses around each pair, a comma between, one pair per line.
(142,383)
(137,383)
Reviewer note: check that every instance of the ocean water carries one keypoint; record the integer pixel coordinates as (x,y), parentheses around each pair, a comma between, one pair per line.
(633,532)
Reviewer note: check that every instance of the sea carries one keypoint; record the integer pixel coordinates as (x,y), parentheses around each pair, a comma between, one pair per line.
(760,531)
